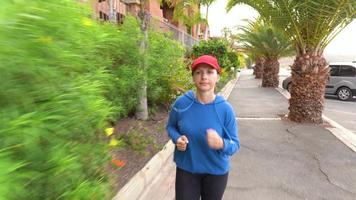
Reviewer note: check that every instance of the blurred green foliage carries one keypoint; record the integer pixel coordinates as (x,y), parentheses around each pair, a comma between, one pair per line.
(52,102)
(64,78)
(168,76)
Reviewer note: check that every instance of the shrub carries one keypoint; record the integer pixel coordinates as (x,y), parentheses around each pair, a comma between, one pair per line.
(167,72)
(215,47)
(52,102)
(137,141)
(63,77)
(118,51)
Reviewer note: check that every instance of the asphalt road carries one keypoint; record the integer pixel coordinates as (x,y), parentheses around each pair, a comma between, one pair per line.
(343,112)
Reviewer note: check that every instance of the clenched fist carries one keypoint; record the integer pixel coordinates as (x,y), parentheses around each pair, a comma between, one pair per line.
(214,140)
(182,142)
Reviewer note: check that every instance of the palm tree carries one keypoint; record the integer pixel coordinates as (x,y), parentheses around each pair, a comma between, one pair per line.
(185,11)
(206,3)
(258,67)
(311,25)
(269,44)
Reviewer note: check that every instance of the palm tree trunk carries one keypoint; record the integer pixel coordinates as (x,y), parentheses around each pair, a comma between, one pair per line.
(207,22)
(310,72)
(258,70)
(270,73)
(207,14)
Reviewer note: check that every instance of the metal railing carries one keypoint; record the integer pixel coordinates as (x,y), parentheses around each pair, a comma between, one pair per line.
(173,32)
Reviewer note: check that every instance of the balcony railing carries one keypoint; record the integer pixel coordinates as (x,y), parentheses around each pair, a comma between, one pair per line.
(184,38)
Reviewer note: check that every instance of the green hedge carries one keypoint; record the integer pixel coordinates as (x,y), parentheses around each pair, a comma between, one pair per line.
(218,48)
(227,59)
(64,78)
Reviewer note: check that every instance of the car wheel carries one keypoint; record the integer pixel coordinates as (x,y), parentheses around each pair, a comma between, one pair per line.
(289,87)
(344,93)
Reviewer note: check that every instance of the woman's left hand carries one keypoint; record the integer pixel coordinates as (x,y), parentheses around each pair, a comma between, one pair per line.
(214,140)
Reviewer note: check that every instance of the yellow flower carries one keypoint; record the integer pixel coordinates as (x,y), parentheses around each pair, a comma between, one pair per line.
(109,131)
(46,39)
(87,21)
(113,142)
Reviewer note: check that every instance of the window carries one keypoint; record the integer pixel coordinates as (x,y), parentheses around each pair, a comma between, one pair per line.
(120,18)
(347,70)
(103,16)
(334,70)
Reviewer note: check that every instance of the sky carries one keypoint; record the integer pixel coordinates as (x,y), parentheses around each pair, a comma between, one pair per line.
(343,44)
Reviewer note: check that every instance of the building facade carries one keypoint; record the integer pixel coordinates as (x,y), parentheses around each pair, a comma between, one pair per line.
(160,14)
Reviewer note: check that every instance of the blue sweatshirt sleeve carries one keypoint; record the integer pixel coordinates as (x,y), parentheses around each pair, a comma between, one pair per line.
(172,126)
(232,144)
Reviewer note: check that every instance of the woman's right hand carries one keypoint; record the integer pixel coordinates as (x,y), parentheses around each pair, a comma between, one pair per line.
(182,142)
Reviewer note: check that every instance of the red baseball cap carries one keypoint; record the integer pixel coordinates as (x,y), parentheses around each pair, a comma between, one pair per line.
(206,59)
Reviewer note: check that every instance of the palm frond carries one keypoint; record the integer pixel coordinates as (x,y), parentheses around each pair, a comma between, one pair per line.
(264,40)
(310,24)
(186,11)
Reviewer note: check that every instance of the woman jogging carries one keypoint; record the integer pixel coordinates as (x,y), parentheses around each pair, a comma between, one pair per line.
(203,127)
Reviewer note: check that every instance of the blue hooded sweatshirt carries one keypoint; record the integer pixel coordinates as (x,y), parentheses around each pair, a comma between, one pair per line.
(191,118)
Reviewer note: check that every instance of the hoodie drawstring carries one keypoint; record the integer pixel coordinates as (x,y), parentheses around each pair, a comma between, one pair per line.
(184,109)
(227,133)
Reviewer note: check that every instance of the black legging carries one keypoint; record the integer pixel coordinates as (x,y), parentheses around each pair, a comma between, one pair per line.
(193,186)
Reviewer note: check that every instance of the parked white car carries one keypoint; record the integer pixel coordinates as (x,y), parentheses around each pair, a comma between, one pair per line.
(342,80)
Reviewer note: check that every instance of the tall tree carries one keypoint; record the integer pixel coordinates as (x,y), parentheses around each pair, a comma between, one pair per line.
(185,11)
(112,11)
(268,44)
(232,38)
(142,108)
(311,25)
(206,3)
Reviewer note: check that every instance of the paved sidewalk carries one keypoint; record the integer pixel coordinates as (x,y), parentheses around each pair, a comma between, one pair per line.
(278,159)
(284,160)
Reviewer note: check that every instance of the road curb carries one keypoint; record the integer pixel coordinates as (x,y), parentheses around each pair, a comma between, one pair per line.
(343,134)
(143,178)
(147,175)
(340,132)
(226,91)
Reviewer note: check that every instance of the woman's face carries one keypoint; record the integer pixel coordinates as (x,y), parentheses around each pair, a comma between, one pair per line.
(205,78)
